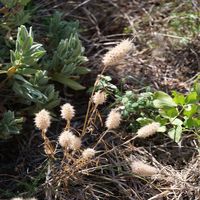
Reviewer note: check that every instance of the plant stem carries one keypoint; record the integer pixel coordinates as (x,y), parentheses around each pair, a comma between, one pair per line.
(90,101)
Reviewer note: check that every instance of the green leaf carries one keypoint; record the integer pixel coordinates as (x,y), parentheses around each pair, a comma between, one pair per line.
(161,120)
(67,81)
(161,100)
(169,112)
(175,133)
(190,110)
(197,88)
(176,121)
(144,121)
(162,129)
(12,56)
(178,98)
(26,71)
(81,70)
(27,51)
(192,97)
(192,122)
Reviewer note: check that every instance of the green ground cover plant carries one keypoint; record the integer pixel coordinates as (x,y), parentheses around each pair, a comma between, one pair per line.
(177,113)
(29,74)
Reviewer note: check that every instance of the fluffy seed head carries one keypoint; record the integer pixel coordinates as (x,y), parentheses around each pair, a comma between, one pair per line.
(113,120)
(142,169)
(99,98)
(42,120)
(148,130)
(67,111)
(65,138)
(88,153)
(117,53)
(75,143)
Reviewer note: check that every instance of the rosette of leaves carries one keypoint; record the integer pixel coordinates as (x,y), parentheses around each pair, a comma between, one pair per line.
(59,29)
(28,80)
(65,65)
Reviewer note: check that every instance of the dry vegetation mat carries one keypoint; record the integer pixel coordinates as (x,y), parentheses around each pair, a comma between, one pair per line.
(99,100)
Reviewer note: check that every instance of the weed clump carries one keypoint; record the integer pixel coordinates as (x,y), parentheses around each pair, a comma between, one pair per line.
(77,156)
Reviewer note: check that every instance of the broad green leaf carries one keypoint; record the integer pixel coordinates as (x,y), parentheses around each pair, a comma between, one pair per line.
(197,88)
(144,121)
(161,120)
(161,100)
(175,133)
(192,97)
(190,110)
(178,98)
(192,122)
(26,71)
(176,121)
(67,81)
(162,129)
(81,70)
(169,112)
(27,43)
(21,78)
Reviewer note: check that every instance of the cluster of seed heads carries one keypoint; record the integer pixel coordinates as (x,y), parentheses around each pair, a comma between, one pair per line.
(68,140)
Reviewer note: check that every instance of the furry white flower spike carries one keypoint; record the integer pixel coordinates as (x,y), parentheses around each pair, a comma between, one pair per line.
(75,143)
(68,139)
(148,130)
(88,153)
(17,198)
(113,120)
(65,138)
(42,120)
(142,169)
(67,111)
(99,98)
(117,53)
